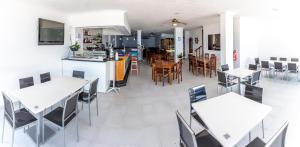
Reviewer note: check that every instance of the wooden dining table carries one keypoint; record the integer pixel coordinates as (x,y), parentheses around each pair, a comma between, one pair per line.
(165,64)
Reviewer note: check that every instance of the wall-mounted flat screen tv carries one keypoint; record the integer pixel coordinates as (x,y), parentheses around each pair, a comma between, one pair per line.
(214,42)
(51,32)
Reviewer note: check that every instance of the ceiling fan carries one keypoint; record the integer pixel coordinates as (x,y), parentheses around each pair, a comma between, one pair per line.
(175,22)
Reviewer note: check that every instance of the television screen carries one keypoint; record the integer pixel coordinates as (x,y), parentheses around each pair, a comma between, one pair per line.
(51,32)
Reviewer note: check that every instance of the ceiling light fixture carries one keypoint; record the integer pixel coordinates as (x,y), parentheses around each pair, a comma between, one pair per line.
(174,24)
(275,9)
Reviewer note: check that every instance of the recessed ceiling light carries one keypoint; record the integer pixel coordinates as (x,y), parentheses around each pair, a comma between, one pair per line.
(275,9)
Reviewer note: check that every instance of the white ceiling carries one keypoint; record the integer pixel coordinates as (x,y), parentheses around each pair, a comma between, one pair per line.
(153,15)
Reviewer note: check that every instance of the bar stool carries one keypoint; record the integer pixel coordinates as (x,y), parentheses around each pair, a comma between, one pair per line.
(134,65)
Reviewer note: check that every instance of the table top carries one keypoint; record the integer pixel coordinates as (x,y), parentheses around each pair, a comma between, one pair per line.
(39,97)
(230,117)
(240,72)
(165,64)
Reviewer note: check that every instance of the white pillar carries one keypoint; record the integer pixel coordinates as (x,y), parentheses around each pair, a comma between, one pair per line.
(139,37)
(186,42)
(226,30)
(178,42)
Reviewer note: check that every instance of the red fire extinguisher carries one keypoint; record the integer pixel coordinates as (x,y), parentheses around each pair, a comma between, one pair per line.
(234,55)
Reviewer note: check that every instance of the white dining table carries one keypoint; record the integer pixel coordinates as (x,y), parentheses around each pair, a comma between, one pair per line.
(240,73)
(230,117)
(42,96)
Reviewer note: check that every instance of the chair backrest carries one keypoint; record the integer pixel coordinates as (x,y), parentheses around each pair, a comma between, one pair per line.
(292,66)
(254,93)
(213,62)
(186,134)
(273,58)
(282,59)
(278,140)
(265,64)
(197,93)
(225,67)
(26,82)
(78,74)
(256,61)
(45,77)
(255,77)
(278,65)
(93,87)
(222,77)
(8,108)
(70,106)
(252,67)
(295,59)
(206,55)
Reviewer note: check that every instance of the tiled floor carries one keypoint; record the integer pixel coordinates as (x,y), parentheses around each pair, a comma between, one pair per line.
(143,115)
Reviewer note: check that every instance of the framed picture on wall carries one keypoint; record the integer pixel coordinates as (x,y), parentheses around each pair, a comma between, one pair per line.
(196,40)
(214,42)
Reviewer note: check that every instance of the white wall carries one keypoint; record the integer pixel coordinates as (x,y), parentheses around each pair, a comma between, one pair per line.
(20,54)
(196,33)
(226,31)
(178,41)
(279,37)
(249,33)
(186,42)
(208,29)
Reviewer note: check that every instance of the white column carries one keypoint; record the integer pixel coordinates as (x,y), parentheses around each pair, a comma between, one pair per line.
(226,30)
(178,41)
(186,42)
(139,37)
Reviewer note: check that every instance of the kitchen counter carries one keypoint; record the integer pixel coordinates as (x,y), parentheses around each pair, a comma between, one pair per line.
(85,59)
(93,68)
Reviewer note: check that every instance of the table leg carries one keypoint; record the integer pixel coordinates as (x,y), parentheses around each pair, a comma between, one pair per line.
(39,129)
(40,133)
(249,137)
(204,69)
(170,75)
(239,86)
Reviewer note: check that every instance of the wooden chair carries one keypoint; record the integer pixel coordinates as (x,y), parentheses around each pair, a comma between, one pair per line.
(179,71)
(191,62)
(212,65)
(206,55)
(161,72)
(199,66)
(134,65)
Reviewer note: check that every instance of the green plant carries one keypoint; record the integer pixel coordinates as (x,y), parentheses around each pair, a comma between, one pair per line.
(75,47)
(179,55)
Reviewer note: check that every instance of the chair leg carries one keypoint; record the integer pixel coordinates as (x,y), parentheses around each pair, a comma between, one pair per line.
(3,129)
(13,136)
(90,114)
(263,128)
(97,105)
(64,136)
(81,105)
(77,127)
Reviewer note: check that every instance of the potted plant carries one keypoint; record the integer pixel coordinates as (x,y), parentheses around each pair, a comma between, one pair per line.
(179,56)
(75,47)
